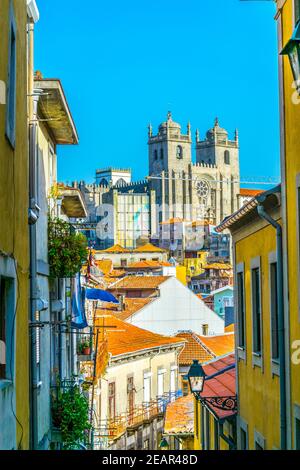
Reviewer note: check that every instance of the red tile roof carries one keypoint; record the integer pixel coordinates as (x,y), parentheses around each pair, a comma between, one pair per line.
(131,306)
(229,328)
(193,349)
(148,264)
(204,348)
(149,248)
(224,385)
(218,345)
(140,282)
(179,417)
(125,338)
(114,249)
(250,192)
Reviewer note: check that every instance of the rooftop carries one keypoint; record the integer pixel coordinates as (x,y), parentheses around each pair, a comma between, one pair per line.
(220,266)
(250,192)
(204,348)
(130,306)
(125,338)
(224,385)
(140,282)
(114,249)
(179,417)
(149,248)
(150,264)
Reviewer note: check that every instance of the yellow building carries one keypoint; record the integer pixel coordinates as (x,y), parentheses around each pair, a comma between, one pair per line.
(215,406)
(288,14)
(14,235)
(195,262)
(256,263)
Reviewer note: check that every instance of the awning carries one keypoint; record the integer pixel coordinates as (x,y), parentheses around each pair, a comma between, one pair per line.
(99,294)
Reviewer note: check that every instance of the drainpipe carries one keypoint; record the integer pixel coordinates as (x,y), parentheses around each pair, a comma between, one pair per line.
(282,379)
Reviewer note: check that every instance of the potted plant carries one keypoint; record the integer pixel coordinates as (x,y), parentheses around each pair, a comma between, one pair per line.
(85,348)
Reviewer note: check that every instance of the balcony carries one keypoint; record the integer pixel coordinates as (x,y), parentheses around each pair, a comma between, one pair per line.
(112,429)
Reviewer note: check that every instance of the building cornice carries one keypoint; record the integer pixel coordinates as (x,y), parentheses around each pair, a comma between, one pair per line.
(32,11)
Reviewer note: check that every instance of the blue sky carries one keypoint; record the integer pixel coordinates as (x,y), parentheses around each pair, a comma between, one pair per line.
(126,63)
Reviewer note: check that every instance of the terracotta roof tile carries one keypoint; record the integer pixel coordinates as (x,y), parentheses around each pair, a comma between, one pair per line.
(179,417)
(105,265)
(148,248)
(250,192)
(218,345)
(131,306)
(114,249)
(220,266)
(224,385)
(148,264)
(193,349)
(124,338)
(140,282)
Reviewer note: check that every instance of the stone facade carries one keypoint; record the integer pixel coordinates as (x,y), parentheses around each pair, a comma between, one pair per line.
(206,189)
(177,187)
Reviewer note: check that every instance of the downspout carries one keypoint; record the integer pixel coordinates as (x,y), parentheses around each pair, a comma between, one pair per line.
(281,339)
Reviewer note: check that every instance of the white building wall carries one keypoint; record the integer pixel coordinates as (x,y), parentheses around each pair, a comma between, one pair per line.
(135,367)
(177,308)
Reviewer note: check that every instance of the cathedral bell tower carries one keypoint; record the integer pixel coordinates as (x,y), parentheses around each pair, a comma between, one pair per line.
(169,149)
(170,161)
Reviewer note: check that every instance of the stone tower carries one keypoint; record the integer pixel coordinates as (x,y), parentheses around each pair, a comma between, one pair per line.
(170,159)
(219,151)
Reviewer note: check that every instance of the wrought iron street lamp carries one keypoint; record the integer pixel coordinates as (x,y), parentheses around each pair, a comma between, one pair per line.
(292,50)
(197,378)
(164,445)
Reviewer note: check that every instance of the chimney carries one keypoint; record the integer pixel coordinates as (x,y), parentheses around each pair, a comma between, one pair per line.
(121,306)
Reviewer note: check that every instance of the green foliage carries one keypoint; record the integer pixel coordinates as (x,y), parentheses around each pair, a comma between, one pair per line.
(70,414)
(67,249)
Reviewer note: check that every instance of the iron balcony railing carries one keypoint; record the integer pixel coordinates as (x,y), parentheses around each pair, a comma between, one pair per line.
(112,429)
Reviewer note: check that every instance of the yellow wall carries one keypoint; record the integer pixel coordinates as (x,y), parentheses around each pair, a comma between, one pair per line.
(181,274)
(14,202)
(290,169)
(196,263)
(213,424)
(258,389)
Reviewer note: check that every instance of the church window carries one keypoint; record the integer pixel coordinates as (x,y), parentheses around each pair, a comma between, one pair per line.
(179,152)
(227,157)
(161,154)
(155,154)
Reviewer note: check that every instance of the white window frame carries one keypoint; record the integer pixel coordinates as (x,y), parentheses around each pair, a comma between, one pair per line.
(259,439)
(242,351)
(257,358)
(243,426)
(274,363)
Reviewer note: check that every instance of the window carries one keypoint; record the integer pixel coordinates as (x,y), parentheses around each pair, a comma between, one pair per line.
(241,310)
(179,152)
(256,310)
(123,262)
(147,387)
(227,157)
(11,83)
(130,397)
(297,10)
(7,311)
(244,443)
(112,400)
(274,311)
(2,330)
(155,154)
(297,434)
(160,382)
(161,154)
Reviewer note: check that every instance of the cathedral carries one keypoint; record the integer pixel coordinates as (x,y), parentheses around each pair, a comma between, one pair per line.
(177,188)
(205,189)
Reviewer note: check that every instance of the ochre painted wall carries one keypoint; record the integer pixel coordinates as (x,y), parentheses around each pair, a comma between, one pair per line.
(14,202)
(291,168)
(258,388)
